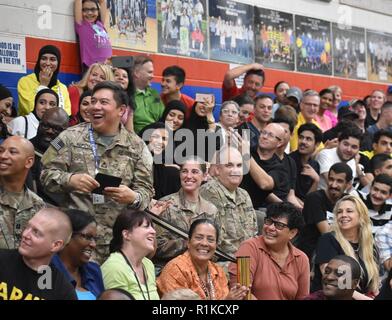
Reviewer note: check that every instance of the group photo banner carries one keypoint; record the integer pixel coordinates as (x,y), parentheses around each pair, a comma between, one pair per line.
(132,24)
(379,55)
(274,39)
(349,51)
(231,31)
(182,27)
(313,45)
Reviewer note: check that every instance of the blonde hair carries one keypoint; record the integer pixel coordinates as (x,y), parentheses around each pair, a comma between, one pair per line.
(335,88)
(106,69)
(366,241)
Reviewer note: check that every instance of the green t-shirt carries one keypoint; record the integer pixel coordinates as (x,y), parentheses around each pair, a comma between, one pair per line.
(118,274)
(149,108)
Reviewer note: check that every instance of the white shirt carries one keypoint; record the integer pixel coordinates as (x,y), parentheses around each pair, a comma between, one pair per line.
(18,126)
(326,159)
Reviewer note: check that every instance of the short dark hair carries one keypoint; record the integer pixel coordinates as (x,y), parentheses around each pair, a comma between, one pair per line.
(119,95)
(278,84)
(381,133)
(287,210)
(318,134)
(378,161)
(326,91)
(354,265)
(259,73)
(285,119)
(342,167)
(384,179)
(386,105)
(263,96)
(176,71)
(351,132)
(79,219)
(128,219)
(202,221)
(244,98)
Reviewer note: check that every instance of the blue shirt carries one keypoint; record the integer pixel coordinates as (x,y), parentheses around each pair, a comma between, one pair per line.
(90,274)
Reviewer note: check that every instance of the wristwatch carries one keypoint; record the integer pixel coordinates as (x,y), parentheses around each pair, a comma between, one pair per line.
(137,202)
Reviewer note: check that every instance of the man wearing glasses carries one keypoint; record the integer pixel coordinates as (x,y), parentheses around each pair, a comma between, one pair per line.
(53,122)
(271,138)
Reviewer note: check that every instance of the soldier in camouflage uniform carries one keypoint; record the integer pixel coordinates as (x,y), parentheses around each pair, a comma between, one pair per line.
(105,146)
(17,203)
(235,209)
(185,206)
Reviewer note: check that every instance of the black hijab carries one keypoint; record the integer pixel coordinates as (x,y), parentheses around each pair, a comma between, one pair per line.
(173,105)
(52,50)
(166,178)
(195,121)
(40,93)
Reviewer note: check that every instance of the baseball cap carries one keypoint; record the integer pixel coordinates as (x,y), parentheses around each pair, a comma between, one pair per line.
(346,113)
(294,92)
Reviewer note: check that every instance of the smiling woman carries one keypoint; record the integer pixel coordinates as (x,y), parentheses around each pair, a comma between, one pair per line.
(128,267)
(74,260)
(195,270)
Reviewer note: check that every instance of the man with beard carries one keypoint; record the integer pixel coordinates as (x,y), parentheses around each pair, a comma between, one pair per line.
(340,278)
(346,151)
(253,81)
(318,207)
(53,122)
(309,138)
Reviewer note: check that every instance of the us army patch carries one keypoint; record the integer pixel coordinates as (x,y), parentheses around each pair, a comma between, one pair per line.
(57,143)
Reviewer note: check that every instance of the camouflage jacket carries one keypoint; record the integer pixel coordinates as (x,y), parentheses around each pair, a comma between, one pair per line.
(236,215)
(71,152)
(14,216)
(179,214)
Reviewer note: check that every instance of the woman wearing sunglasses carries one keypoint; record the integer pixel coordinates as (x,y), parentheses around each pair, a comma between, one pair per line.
(278,270)
(74,260)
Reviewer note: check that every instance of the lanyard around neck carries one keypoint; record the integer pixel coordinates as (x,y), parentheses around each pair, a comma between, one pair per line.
(137,278)
(94,148)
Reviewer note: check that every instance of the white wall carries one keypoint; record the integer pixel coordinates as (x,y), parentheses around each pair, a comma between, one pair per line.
(21,16)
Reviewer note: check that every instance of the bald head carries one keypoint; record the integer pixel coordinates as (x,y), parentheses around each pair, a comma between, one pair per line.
(57,115)
(229,168)
(16,159)
(21,143)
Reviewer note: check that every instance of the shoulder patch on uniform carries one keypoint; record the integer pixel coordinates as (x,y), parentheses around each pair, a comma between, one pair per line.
(57,143)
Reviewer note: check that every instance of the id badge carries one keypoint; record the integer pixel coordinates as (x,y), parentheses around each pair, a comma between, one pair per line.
(98,198)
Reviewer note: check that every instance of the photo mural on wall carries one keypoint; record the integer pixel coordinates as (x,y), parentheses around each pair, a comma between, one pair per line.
(182,27)
(379,55)
(231,31)
(313,45)
(349,51)
(274,39)
(132,24)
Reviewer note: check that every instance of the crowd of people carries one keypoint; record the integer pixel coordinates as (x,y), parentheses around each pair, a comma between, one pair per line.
(126,193)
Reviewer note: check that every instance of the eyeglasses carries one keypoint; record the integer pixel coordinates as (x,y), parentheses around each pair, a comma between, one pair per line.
(269,135)
(87,237)
(278,225)
(90,10)
(47,126)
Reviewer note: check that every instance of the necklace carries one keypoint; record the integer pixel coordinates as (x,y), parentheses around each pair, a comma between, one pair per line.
(208,287)
(137,278)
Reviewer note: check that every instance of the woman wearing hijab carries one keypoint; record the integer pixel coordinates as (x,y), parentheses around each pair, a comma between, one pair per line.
(45,76)
(166,175)
(27,126)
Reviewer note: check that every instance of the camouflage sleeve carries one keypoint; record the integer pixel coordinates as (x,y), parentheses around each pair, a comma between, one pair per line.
(142,182)
(55,163)
(252,218)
